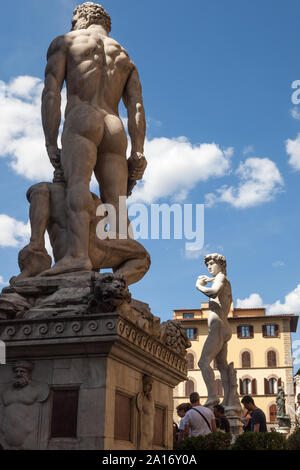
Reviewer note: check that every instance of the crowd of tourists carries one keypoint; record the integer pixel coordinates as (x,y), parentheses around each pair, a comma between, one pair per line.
(197,420)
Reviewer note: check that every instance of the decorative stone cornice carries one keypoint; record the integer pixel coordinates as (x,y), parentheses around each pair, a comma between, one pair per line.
(109,328)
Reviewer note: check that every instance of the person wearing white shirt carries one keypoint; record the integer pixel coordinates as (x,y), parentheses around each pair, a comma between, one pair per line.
(199,420)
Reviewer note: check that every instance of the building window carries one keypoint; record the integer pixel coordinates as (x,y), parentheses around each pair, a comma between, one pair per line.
(246,360)
(246,387)
(219,388)
(190,361)
(191,333)
(271,386)
(64,413)
(245,331)
(188,315)
(189,387)
(272,412)
(270,331)
(271,359)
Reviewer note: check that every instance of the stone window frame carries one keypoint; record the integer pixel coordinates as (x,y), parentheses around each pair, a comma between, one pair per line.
(266,357)
(194,356)
(241,358)
(239,331)
(185,384)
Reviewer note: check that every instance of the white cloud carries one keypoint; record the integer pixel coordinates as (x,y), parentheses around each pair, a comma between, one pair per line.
(291,303)
(260,181)
(253,301)
(175,166)
(12,232)
(293,150)
(16,234)
(21,133)
(2,282)
(295,113)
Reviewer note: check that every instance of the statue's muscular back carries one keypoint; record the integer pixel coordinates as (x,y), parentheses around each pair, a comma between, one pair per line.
(97,69)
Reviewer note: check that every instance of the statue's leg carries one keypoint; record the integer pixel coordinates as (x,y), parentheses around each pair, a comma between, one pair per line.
(210,350)
(135,268)
(111,169)
(78,160)
(33,258)
(222,365)
(57,227)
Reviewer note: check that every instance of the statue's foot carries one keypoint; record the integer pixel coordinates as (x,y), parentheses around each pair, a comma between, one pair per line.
(211,401)
(32,261)
(69,265)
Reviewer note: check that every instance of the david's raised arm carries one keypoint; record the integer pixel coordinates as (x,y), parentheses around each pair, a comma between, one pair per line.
(216,287)
(51,97)
(133,101)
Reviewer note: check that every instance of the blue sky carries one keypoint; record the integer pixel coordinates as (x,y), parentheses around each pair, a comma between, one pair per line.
(214,72)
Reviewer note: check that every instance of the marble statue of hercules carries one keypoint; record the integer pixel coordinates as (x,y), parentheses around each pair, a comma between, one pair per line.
(98,73)
(215,346)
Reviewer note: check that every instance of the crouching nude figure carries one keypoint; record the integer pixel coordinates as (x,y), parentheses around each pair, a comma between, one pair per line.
(126,257)
(215,346)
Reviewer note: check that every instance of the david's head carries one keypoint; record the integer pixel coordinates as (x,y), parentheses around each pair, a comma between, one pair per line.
(215,263)
(90,13)
(23,372)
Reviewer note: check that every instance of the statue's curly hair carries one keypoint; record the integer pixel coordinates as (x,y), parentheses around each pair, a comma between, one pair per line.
(94,13)
(220,259)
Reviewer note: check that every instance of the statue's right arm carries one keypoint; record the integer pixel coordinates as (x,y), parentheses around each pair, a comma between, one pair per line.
(51,98)
(133,101)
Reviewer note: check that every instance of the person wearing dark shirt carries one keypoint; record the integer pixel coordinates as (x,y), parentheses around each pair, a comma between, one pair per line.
(258,417)
(222,422)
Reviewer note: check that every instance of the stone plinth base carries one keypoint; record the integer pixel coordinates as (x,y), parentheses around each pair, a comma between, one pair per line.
(86,384)
(284,430)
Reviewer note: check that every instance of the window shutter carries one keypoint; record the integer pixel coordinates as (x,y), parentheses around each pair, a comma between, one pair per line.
(254,388)
(239,331)
(271,357)
(266,387)
(251,331)
(264,330)
(246,359)
(241,387)
(279,382)
(276,331)
(195,333)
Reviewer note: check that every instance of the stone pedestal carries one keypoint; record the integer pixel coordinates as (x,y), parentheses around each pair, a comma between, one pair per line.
(236,426)
(284,430)
(87,374)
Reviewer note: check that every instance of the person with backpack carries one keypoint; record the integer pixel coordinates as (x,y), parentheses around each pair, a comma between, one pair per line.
(199,420)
